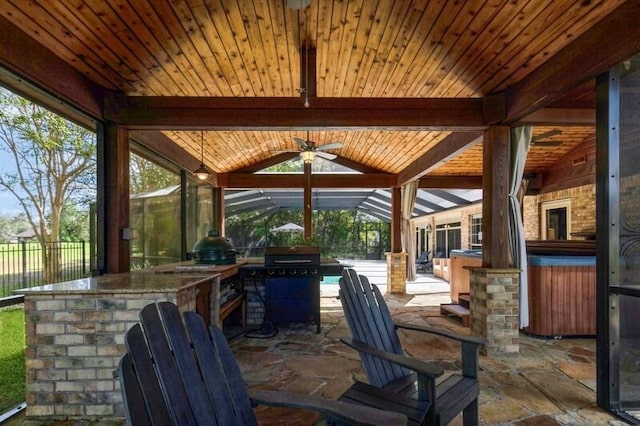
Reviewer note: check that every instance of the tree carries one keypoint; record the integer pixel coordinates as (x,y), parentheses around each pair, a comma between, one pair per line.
(54,162)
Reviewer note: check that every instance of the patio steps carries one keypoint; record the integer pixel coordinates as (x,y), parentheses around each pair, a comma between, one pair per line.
(460,309)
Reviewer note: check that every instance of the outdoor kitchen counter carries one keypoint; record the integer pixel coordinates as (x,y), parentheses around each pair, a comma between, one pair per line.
(75,337)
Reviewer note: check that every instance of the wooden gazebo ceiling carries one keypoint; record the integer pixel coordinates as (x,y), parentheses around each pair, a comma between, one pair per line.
(254,54)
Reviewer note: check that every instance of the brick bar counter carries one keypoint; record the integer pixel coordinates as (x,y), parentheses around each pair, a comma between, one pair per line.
(75,338)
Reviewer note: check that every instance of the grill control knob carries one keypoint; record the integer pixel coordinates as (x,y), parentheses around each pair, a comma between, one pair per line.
(282,271)
(271,272)
(293,272)
(303,271)
(314,272)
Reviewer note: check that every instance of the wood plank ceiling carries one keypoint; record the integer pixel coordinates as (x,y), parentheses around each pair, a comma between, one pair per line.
(250,49)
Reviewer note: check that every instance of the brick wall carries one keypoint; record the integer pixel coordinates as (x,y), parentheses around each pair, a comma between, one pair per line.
(583,210)
(74,343)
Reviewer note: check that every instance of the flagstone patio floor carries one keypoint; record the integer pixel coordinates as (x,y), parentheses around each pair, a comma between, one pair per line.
(550,382)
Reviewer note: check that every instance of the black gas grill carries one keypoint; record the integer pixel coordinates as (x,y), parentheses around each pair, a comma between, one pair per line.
(292,279)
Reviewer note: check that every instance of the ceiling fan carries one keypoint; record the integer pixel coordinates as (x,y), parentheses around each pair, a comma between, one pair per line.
(540,139)
(309,149)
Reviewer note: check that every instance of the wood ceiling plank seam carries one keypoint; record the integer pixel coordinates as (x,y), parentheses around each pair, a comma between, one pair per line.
(237,155)
(87,42)
(217,35)
(359,55)
(185,27)
(412,146)
(514,55)
(407,26)
(291,30)
(413,84)
(374,30)
(414,57)
(456,38)
(348,45)
(357,147)
(225,145)
(104,14)
(382,47)
(88,67)
(372,155)
(481,69)
(412,49)
(482,47)
(338,15)
(240,41)
(270,40)
(259,47)
(159,41)
(220,61)
(557,38)
(324,12)
(451,24)
(281,36)
(133,41)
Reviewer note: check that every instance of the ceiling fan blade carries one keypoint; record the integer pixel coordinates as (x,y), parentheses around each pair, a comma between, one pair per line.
(326,155)
(546,143)
(333,145)
(301,143)
(545,135)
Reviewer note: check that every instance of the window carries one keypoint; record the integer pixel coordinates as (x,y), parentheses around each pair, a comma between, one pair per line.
(555,223)
(448,237)
(476,231)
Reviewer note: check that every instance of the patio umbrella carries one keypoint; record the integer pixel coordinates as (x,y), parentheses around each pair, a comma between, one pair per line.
(288,227)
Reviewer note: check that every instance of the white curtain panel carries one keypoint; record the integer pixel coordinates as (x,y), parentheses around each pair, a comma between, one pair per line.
(409,192)
(520,143)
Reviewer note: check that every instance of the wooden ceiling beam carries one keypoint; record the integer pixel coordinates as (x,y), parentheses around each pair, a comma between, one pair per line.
(162,145)
(560,117)
(290,180)
(450,182)
(209,113)
(67,90)
(588,56)
(451,146)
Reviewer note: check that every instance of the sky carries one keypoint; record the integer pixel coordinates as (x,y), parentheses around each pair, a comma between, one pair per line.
(8,203)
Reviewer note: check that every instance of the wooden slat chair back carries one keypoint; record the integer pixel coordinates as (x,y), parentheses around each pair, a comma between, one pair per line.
(374,334)
(181,373)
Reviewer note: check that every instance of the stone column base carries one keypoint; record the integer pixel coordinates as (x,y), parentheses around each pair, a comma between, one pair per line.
(495,309)
(397,273)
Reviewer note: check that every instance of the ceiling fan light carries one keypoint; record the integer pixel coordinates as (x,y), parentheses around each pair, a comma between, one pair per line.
(202,172)
(307,156)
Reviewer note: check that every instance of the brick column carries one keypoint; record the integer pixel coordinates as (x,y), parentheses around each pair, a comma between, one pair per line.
(397,273)
(495,309)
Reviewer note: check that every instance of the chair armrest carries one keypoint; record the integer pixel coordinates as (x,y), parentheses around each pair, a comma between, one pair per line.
(335,410)
(470,346)
(420,367)
(458,337)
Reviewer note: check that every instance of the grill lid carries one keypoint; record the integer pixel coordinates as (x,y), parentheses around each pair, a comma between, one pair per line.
(214,250)
(292,256)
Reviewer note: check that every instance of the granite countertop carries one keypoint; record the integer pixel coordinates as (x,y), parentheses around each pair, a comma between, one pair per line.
(133,282)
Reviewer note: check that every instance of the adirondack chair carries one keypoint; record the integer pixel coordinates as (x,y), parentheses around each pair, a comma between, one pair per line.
(423,264)
(177,373)
(388,370)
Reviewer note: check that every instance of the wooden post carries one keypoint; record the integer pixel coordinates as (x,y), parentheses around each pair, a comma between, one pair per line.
(495,198)
(115,187)
(396,220)
(307,208)
(218,210)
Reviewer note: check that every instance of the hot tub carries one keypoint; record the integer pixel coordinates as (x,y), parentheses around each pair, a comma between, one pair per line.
(562,295)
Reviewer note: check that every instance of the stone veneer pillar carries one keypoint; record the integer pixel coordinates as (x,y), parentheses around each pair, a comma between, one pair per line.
(495,309)
(397,273)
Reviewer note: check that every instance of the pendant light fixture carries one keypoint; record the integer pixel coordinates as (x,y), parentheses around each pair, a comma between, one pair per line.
(202,172)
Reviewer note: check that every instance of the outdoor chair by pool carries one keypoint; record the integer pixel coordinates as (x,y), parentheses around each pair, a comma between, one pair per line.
(398,382)
(177,373)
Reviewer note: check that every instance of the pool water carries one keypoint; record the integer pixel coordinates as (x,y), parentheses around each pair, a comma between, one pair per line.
(330,279)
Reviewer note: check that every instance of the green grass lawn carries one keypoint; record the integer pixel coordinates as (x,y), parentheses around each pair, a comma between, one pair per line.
(12,344)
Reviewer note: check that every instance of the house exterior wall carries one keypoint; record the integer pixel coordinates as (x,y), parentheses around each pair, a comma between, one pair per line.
(583,214)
